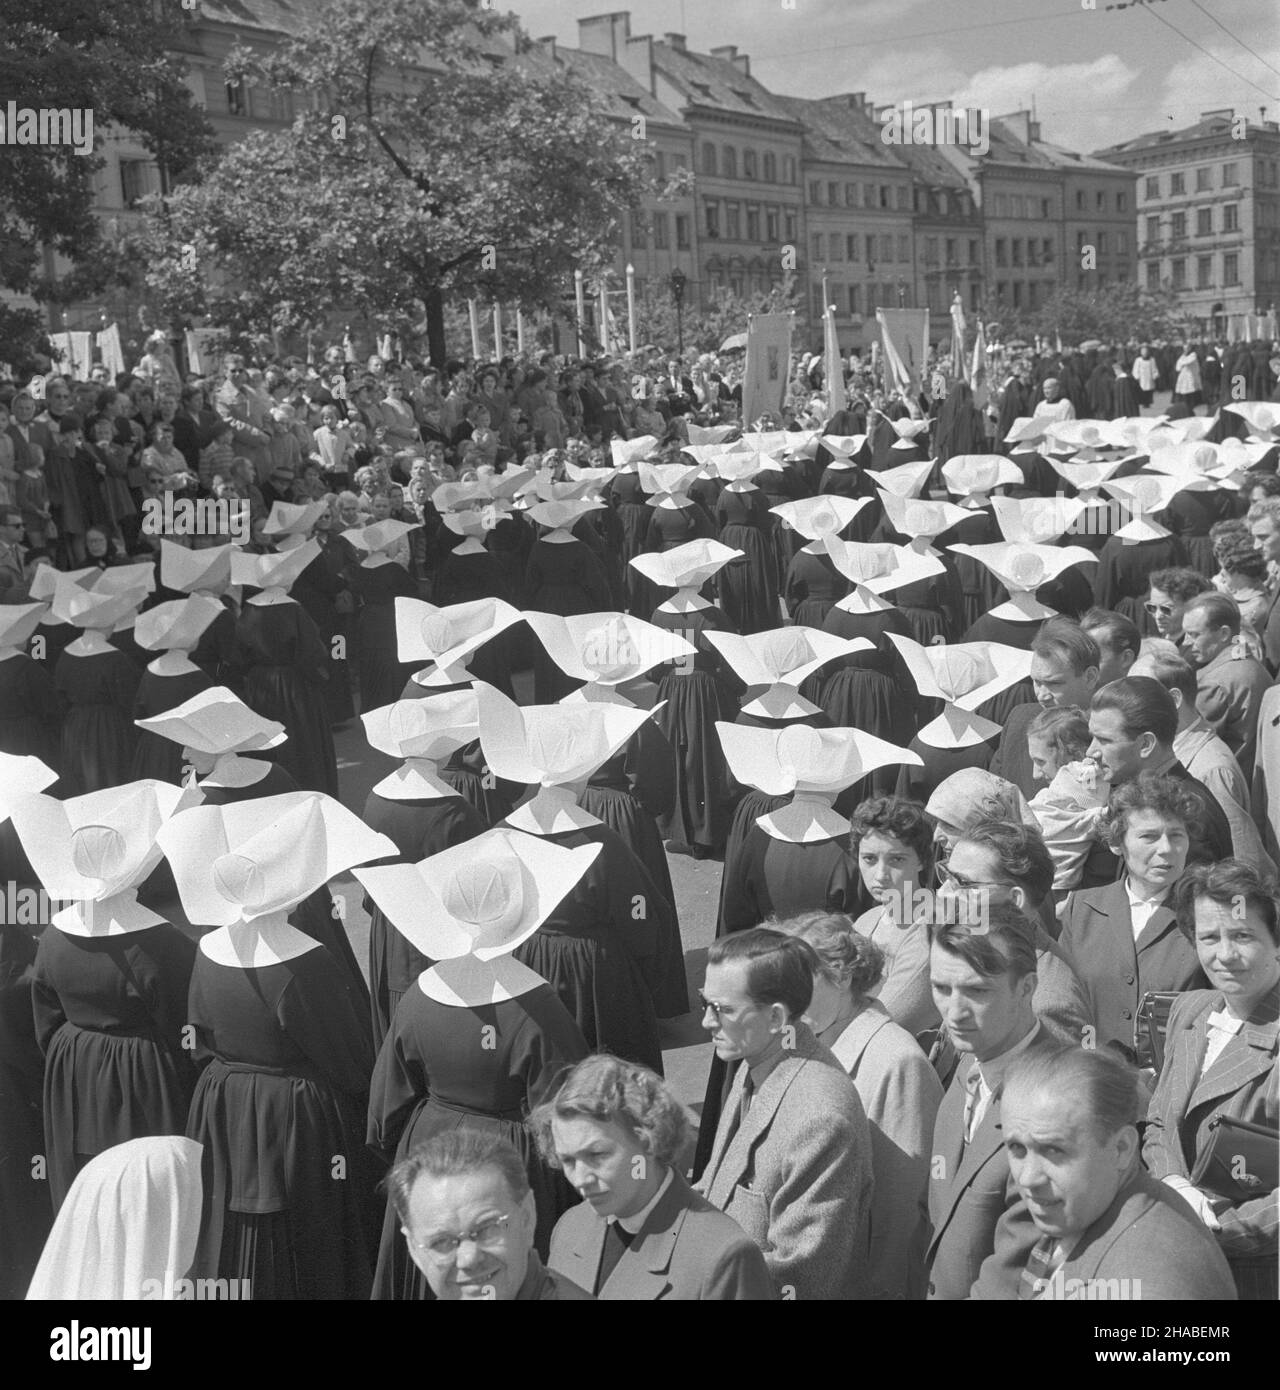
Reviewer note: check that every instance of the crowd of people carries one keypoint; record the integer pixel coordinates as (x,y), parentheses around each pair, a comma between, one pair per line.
(974,699)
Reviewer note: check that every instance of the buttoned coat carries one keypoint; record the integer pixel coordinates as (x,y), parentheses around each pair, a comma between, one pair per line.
(1097,935)
(686,1250)
(796,1174)
(1242,1083)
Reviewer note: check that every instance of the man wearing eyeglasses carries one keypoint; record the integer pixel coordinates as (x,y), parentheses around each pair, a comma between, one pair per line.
(1171,591)
(468,1214)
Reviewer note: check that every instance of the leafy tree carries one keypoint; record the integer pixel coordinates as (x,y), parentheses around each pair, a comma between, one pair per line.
(444,156)
(705,327)
(117,60)
(1118,313)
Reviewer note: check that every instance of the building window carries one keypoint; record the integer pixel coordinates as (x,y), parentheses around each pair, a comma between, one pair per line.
(729,162)
(1153,275)
(660,238)
(1230,268)
(713,219)
(850,247)
(1100,202)
(931,250)
(1177,184)
(871,252)
(237,102)
(1016,249)
(1079,199)
(753,222)
(815,193)
(791,225)
(1046,251)
(770,167)
(851,195)
(1017,294)
(1153,229)
(819,244)
(904,250)
(1002,252)
(748,164)
(708,158)
(1229,174)
(1204,222)
(1179,274)
(771,224)
(1102,243)
(836,247)
(1153,188)
(1202,180)
(1081,238)
(1204,272)
(682,231)
(639,232)
(138,177)
(884,195)
(1033,252)
(833,195)
(732,221)
(1122,243)
(1178,226)
(1122,202)
(853,300)
(886,248)
(1231,217)
(819,307)
(789,174)
(973,255)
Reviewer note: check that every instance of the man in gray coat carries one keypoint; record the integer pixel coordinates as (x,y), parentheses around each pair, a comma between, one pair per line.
(791,1162)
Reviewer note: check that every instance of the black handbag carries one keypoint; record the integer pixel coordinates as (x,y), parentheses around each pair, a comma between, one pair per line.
(1241,1161)
(1149,1026)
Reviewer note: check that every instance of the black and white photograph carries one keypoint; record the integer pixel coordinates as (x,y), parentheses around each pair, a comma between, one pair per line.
(639,661)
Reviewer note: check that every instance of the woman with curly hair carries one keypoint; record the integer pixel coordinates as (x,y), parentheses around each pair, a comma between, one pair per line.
(641,1232)
(1123,940)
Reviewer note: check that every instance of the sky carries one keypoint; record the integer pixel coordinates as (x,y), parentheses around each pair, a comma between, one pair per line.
(1097,71)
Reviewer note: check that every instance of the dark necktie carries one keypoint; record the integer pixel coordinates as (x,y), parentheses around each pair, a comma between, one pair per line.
(617,1242)
(1042,1263)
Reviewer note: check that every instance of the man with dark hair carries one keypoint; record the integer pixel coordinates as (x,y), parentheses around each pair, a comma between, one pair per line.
(983,985)
(1132,725)
(998,863)
(1170,592)
(1206,757)
(13,575)
(1118,639)
(1264,527)
(1064,673)
(467,1212)
(791,1162)
(1231,682)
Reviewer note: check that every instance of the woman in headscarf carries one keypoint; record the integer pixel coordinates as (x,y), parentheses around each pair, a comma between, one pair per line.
(480,1038)
(284,1044)
(109,994)
(129,1226)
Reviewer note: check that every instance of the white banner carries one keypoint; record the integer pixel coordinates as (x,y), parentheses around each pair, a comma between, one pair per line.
(905,333)
(764,380)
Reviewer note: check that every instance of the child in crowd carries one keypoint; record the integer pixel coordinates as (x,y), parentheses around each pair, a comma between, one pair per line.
(1070,809)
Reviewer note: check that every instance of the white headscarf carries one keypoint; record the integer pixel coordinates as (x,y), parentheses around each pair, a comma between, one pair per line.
(128,1227)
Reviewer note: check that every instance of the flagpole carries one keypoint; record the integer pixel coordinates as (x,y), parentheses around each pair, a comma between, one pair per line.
(631,308)
(580,299)
(474,314)
(604,317)
(497,331)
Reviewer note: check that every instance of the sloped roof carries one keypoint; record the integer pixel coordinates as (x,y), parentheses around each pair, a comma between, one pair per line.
(618,91)
(718,83)
(1204,128)
(839,133)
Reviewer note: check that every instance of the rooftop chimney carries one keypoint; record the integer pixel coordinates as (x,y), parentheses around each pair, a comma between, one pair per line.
(606,34)
(728,51)
(676,41)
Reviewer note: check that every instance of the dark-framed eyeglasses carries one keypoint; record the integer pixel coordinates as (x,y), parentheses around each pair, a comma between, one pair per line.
(488,1235)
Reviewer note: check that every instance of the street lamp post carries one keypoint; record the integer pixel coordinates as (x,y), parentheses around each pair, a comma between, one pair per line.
(678,281)
(902,293)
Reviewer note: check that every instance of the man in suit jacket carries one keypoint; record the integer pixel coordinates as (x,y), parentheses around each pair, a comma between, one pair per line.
(1065,662)
(1132,724)
(1231,682)
(1264,527)
(1266,773)
(1106,1229)
(996,863)
(983,985)
(791,1162)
